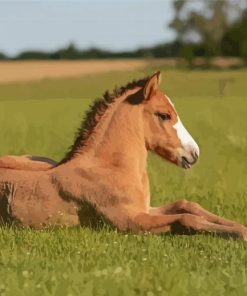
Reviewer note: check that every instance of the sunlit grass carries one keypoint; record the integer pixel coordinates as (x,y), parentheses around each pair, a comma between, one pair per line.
(41,118)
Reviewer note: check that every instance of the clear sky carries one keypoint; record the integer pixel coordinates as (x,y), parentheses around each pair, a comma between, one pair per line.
(109,24)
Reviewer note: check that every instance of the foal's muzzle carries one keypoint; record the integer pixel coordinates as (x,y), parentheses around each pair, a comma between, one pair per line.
(188,157)
(187,163)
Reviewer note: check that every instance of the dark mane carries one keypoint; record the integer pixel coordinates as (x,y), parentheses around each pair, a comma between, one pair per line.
(96,110)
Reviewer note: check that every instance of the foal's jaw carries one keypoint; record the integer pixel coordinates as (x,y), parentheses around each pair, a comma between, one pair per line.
(188,153)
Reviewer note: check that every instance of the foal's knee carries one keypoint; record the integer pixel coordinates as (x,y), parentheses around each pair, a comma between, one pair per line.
(187,206)
(182,203)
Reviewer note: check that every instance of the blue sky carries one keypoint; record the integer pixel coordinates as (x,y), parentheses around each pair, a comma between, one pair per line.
(109,24)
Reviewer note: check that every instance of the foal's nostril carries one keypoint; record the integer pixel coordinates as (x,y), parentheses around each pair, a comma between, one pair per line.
(194,155)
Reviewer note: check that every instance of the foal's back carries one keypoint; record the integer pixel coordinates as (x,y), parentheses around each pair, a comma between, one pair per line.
(26,162)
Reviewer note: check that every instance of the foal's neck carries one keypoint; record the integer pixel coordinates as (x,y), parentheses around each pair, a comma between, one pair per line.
(123,143)
(118,140)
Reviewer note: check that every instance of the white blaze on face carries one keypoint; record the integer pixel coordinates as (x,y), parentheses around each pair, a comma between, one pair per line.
(188,143)
(189,150)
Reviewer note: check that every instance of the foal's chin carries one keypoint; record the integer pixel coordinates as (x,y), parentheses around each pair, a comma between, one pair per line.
(167,155)
(184,164)
(181,163)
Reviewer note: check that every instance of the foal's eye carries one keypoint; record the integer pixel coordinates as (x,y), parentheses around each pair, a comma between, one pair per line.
(163,116)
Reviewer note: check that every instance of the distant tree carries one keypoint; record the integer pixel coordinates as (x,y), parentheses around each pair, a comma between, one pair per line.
(234,42)
(204,22)
(2,56)
(178,23)
(211,24)
(32,55)
(68,53)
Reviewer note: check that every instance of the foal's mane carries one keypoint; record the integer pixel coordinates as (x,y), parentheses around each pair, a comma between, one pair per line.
(96,110)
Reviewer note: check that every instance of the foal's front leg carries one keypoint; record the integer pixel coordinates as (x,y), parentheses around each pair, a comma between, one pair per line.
(185,224)
(184,206)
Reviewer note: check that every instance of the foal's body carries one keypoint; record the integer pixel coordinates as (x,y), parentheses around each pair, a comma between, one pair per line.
(106,171)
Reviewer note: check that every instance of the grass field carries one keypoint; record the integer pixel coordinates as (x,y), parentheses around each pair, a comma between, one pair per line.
(41,118)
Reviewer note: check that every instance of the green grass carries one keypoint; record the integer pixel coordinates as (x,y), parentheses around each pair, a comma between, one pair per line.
(41,118)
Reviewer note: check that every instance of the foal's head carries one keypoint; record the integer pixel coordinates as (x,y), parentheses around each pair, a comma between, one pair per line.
(164,132)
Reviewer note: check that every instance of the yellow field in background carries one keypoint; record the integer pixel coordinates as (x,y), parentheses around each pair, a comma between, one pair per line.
(20,71)
(14,71)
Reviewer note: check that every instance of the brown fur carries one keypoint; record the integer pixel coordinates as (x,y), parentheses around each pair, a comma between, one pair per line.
(95,113)
(104,175)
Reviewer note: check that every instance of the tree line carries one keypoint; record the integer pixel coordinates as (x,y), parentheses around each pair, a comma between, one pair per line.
(73,53)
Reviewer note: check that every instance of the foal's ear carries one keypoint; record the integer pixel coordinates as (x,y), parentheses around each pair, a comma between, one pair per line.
(151,85)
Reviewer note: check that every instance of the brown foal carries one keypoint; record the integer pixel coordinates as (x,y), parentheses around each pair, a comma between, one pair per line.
(104,174)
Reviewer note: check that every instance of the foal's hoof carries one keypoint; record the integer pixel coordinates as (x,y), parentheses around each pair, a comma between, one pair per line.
(243,233)
(244,237)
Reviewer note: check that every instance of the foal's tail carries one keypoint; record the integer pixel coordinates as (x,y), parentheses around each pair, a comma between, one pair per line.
(27,163)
